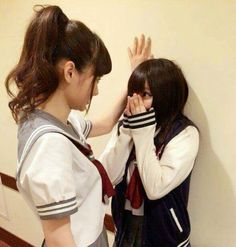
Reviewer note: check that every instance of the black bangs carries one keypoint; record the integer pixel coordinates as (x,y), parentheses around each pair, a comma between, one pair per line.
(137,81)
(167,84)
(102,60)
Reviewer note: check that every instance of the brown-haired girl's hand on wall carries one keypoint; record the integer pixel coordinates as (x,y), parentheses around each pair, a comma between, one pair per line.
(140,52)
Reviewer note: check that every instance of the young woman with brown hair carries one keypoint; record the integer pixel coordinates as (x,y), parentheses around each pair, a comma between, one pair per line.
(61,63)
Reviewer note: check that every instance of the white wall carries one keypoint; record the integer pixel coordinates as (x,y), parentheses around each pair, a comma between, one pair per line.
(201,37)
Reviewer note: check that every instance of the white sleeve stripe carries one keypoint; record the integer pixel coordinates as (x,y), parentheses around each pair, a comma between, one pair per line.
(55,209)
(73,199)
(125,121)
(138,117)
(59,211)
(142,120)
(58,206)
(142,113)
(58,215)
(140,124)
(143,123)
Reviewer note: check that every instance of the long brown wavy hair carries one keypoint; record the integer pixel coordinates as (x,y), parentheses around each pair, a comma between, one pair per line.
(51,36)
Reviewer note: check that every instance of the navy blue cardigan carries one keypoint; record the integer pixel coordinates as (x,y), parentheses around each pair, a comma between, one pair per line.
(159,228)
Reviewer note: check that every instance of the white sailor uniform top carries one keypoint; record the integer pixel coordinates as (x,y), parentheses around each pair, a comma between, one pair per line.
(56,179)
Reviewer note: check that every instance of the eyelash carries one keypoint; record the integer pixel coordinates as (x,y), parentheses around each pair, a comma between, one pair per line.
(147,94)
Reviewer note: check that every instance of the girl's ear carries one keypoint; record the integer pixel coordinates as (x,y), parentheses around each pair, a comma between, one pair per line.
(69,71)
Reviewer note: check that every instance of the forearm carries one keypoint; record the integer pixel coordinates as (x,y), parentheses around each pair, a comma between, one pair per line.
(140,52)
(159,177)
(116,111)
(148,164)
(105,124)
(58,233)
(116,154)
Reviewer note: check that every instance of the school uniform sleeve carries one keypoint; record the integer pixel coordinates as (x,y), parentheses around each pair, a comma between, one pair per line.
(116,153)
(82,125)
(49,177)
(159,177)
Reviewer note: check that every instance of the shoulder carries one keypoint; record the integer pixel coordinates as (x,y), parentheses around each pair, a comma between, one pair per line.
(53,138)
(188,138)
(183,148)
(51,144)
(50,153)
(191,132)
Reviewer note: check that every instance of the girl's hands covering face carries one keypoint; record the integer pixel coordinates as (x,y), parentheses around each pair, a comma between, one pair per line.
(134,105)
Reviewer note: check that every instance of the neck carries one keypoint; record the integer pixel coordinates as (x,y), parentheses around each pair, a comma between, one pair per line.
(57,106)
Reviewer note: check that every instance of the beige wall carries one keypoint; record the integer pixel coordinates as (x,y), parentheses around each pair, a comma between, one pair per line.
(201,37)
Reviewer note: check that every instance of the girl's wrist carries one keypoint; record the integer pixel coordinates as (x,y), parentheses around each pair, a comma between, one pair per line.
(139,120)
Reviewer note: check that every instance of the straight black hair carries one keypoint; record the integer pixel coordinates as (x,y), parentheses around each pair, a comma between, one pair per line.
(168,87)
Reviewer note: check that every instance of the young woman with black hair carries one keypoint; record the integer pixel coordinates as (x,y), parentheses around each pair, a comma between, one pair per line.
(61,63)
(151,158)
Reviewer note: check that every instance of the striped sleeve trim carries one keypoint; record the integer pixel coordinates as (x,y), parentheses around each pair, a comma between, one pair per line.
(58,209)
(142,125)
(58,216)
(125,121)
(87,128)
(140,120)
(140,115)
